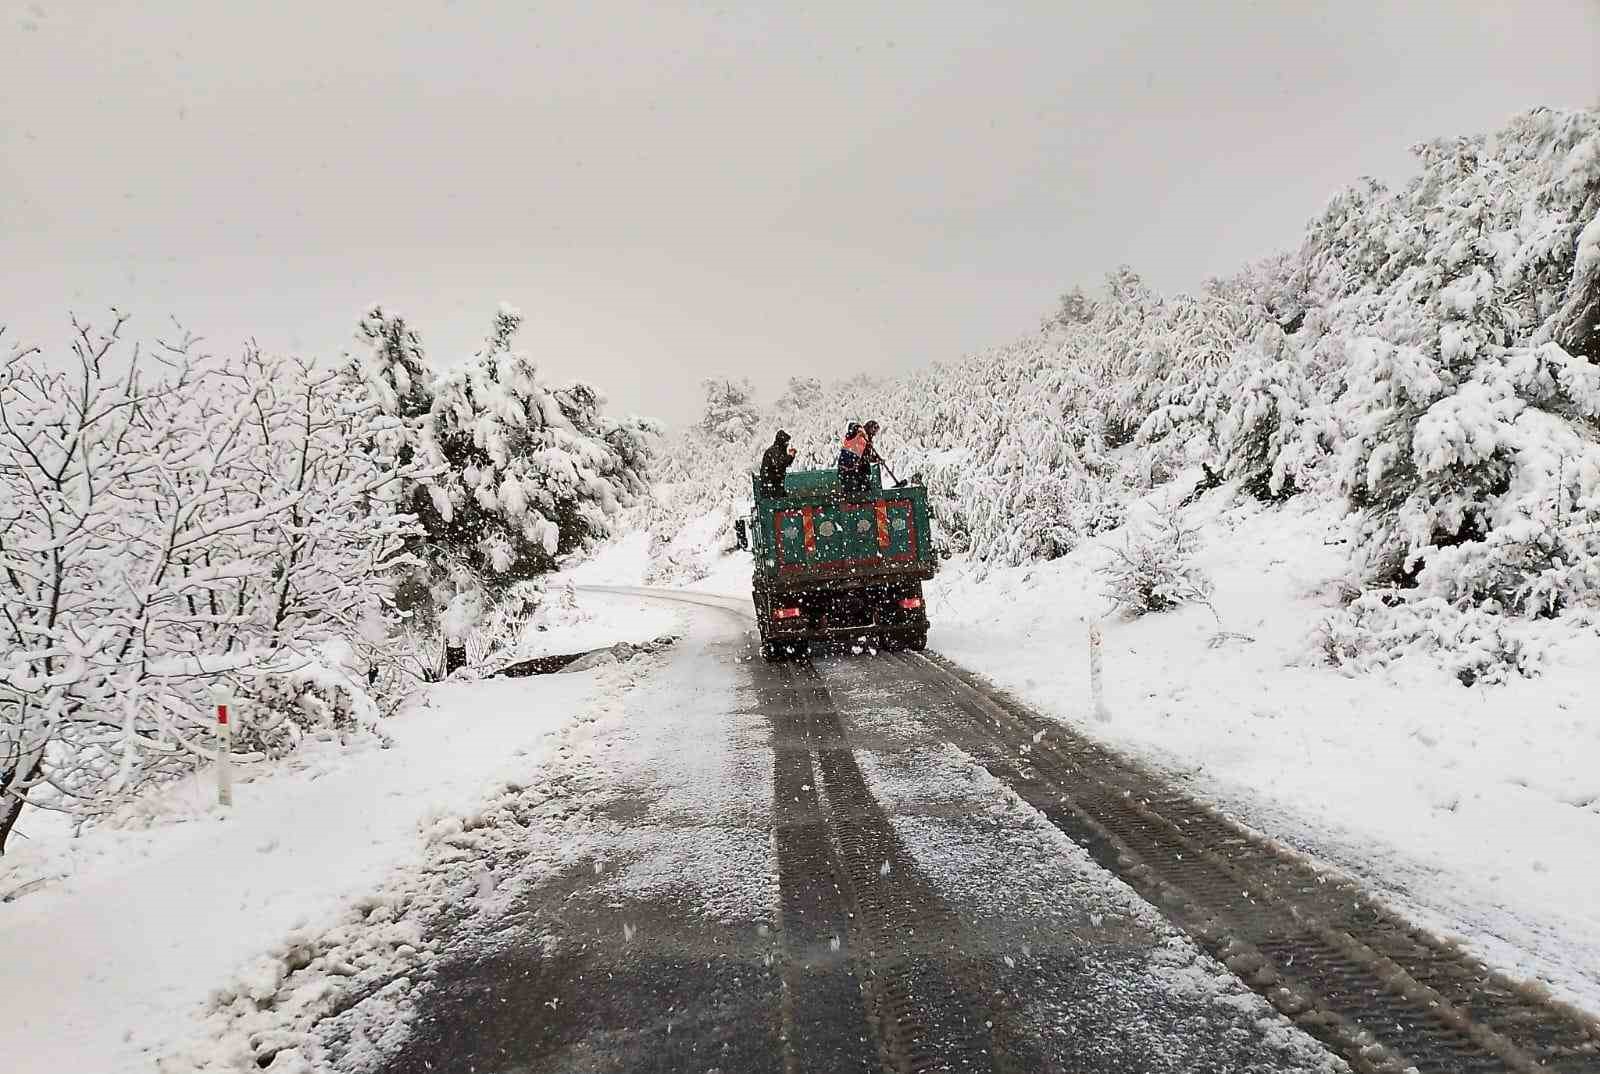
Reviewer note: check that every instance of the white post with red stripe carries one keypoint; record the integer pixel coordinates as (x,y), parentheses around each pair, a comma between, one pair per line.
(222,698)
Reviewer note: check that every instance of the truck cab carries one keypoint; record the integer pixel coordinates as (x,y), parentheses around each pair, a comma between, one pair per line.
(832,564)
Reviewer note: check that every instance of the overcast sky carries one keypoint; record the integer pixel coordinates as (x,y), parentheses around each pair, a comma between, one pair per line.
(670,190)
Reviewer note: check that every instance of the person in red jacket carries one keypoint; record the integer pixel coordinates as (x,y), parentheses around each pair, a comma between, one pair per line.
(852,459)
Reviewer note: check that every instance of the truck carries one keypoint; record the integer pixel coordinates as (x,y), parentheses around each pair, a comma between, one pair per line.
(832,564)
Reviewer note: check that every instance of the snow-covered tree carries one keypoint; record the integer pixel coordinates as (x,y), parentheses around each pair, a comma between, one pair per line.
(391,364)
(730,410)
(1074,307)
(799,396)
(519,473)
(169,520)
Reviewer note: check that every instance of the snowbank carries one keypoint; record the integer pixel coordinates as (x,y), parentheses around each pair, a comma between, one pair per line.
(691,554)
(624,560)
(128,929)
(594,624)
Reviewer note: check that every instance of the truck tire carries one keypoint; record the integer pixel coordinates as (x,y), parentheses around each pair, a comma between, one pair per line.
(774,652)
(898,641)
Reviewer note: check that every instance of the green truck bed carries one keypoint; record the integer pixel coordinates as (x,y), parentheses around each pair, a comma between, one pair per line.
(816,533)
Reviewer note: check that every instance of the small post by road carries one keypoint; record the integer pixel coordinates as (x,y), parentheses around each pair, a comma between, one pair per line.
(222,698)
(1096,690)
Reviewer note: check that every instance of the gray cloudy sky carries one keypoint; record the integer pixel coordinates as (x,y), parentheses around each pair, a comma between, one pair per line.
(669,189)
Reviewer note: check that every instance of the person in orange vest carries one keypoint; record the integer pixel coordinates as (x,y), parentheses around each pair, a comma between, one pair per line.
(852,459)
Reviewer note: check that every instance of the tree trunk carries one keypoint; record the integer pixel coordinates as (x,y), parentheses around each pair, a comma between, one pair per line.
(11,804)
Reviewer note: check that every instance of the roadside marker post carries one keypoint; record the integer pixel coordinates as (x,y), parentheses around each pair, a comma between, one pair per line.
(1096,690)
(223,699)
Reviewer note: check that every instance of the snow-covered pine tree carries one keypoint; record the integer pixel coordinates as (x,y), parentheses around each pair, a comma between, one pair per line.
(391,364)
(1153,570)
(730,411)
(523,474)
(800,395)
(1074,307)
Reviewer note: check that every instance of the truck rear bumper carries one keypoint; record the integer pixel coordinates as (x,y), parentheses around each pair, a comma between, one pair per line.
(885,607)
(858,630)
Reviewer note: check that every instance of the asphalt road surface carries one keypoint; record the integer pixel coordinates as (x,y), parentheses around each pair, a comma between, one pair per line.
(802,873)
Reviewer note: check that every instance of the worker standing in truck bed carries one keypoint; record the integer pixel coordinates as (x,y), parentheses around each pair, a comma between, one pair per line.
(775,463)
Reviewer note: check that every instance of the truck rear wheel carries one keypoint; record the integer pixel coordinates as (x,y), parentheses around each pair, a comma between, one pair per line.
(774,651)
(896,641)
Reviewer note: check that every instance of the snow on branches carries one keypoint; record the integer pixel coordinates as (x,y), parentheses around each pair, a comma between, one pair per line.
(169,519)
(514,473)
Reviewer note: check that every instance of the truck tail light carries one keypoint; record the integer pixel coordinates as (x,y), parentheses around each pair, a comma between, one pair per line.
(786,613)
(910,602)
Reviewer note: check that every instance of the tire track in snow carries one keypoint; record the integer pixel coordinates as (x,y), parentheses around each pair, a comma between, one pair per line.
(1385,994)
(862,928)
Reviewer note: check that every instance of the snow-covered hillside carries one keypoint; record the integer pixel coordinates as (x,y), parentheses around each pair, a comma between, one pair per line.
(1424,359)
(1385,449)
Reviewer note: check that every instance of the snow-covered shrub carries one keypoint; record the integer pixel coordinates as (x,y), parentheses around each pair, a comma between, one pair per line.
(501,628)
(462,617)
(1532,568)
(486,631)
(1276,433)
(322,691)
(1382,626)
(1153,569)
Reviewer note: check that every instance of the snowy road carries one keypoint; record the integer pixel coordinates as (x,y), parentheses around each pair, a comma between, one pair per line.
(789,868)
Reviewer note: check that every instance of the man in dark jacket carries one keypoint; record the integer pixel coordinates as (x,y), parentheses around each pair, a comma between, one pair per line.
(775,463)
(870,457)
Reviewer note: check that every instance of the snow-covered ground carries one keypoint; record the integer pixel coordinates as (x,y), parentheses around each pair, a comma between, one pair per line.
(128,928)
(1474,809)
